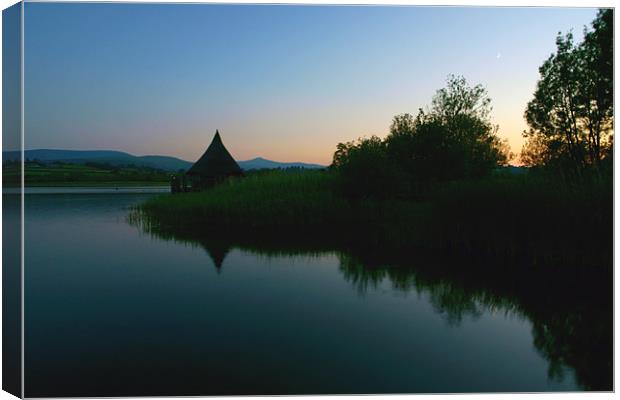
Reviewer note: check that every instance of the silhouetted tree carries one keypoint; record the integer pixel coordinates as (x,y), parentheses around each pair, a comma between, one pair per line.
(365,169)
(571,114)
(453,139)
(402,125)
(458,99)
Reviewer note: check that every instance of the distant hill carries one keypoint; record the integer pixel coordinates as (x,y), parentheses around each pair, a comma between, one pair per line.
(119,158)
(261,163)
(111,157)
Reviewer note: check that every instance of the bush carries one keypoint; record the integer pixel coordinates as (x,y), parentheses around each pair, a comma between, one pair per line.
(365,170)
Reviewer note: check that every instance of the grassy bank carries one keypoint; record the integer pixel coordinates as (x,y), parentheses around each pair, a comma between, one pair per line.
(91,174)
(265,203)
(110,184)
(516,219)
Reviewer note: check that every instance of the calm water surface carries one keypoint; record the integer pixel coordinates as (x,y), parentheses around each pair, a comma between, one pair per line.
(113,311)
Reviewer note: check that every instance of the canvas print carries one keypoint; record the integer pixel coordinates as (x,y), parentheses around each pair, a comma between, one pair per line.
(237,199)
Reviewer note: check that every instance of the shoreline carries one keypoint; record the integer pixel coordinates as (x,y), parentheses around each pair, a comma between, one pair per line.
(133,189)
(89,184)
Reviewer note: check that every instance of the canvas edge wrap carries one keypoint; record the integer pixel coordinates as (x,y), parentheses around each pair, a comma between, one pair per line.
(12,204)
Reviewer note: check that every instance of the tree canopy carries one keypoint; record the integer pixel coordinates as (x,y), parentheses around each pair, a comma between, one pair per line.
(570,117)
(453,139)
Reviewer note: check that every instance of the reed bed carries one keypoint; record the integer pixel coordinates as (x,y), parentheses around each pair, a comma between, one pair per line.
(514,220)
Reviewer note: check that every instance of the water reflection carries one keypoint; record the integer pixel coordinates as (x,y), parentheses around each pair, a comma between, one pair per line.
(571,326)
(571,316)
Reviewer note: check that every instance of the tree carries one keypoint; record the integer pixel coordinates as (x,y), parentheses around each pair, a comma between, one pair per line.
(365,170)
(458,99)
(453,139)
(570,117)
(403,125)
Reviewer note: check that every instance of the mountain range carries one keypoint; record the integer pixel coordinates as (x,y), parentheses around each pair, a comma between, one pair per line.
(119,158)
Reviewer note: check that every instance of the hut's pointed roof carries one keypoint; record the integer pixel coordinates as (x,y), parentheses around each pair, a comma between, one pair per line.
(217,252)
(216,161)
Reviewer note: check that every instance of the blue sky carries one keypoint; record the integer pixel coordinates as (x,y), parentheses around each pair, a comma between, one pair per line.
(281,82)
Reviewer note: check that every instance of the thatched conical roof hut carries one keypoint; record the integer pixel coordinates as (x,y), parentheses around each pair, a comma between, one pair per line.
(215,165)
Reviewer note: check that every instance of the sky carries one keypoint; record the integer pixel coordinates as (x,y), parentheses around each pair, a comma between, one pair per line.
(287,83)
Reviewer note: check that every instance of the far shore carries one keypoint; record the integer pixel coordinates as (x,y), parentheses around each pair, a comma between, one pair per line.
(90,184)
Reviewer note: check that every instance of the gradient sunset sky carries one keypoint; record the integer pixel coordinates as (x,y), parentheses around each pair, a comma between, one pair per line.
(281,82)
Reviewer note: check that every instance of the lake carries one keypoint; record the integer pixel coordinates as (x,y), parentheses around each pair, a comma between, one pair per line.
(113,311)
